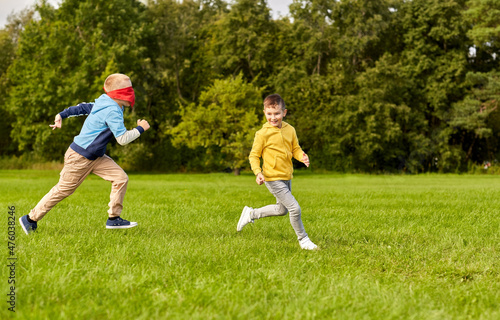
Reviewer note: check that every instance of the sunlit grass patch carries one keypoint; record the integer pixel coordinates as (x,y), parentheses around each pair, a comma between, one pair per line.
(391,247)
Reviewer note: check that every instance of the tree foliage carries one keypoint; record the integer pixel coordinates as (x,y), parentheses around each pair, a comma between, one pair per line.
(63,59)
(222,122)
(370,85)
(9,37)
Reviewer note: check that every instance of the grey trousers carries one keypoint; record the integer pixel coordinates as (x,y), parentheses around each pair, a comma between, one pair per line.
(285,202)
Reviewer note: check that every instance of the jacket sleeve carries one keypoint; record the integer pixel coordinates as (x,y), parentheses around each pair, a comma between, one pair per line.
(114,121)
(297,151)
(130,136)
(81,109)
(256,153)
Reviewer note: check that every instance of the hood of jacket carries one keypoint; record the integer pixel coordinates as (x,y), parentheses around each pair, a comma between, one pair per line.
(103,102)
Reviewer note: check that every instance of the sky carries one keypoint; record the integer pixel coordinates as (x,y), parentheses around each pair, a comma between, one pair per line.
(9,6)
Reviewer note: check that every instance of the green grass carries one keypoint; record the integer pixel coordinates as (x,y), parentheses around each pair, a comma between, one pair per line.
(392,247)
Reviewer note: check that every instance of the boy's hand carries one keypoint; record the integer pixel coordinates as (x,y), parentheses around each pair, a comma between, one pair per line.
(57,122)
(305,159)
(260,178)
(143,123)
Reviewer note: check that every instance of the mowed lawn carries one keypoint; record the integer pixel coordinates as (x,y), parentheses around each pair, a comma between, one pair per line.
(391,247)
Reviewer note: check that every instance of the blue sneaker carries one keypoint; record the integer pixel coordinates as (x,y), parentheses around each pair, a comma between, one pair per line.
(119,223)
(28,227)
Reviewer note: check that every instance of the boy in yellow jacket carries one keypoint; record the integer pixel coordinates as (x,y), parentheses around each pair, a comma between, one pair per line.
(277,143)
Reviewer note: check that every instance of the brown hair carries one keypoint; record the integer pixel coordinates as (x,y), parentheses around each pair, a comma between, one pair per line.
(116,81)
(274,100)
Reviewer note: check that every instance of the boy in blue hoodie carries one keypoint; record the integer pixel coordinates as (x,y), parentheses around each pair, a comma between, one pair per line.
(87,152)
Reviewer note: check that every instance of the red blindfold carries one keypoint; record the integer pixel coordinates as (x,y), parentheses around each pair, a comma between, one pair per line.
(126,94)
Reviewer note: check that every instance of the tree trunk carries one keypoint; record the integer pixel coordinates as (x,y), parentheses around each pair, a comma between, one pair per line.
(236,171)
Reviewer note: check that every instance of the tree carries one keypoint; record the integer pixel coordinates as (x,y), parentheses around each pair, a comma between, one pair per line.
(8,45)
(434,57)
(223,122)
(341,114)
(485,31)
(63,59)
(475,118)
(242,41)
(470,117)
(180,31)
(9,37)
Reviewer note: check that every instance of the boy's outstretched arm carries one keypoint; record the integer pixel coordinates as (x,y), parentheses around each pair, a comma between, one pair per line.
(74,111)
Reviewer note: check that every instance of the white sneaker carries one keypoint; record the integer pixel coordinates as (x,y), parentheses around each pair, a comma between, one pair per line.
(307,244)
(245,218)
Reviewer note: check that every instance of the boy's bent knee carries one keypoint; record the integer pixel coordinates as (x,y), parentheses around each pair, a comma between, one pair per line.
(122,179)
(282,210)
(296,211)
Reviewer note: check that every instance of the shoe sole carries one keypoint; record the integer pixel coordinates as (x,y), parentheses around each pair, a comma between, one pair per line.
(239,227)
(131,225)
(22,225)
(313,247)
(309,248)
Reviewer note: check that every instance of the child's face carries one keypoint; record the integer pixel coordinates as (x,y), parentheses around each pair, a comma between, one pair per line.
(275,115)
(122,103)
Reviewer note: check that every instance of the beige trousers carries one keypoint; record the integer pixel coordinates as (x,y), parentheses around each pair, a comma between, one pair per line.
(76,169)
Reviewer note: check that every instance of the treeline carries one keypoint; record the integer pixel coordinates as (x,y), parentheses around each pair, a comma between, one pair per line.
(370,85)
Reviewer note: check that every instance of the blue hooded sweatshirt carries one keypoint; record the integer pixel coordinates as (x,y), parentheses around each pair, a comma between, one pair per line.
(105,120)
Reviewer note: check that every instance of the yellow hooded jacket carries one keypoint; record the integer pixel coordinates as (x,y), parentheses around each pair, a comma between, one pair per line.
(276,147)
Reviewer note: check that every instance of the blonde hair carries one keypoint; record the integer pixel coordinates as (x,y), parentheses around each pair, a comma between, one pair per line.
(117,81)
